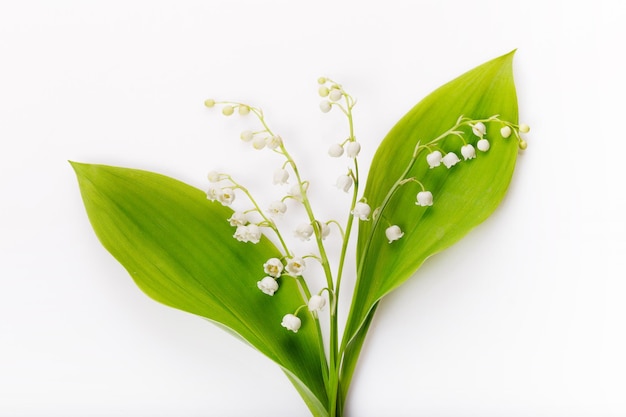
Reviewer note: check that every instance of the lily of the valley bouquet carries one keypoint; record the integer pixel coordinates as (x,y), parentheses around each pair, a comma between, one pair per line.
(439,172)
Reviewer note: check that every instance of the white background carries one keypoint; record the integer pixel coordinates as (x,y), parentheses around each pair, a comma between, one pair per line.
(525,317)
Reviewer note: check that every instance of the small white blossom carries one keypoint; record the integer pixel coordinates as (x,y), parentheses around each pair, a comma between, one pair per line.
(325,106)
(304,231)
(335,150)
(344,182)
(483,145)
(281,176)
(273,267)
(214,176)
(505,132)
(295,266)
(277,208)
(294,192)
(324,230)
(434,159)
(424,198)
(273,142)
(479,129)
(393,233)
(361,211)
(335,94)
(238,218)
(268,285)
(316,303)
(227,196)
(258,143)
(524,128)
(214,193)
(450,160)
(291,322)
(246,135)
(468,152)
(249,233)
(353,149)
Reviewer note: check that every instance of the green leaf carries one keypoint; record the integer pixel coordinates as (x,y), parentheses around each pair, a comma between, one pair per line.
(178,248)
(464,195)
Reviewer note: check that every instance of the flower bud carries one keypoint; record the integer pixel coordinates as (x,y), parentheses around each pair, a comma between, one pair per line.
(209,102)
(325,106)
(243,110)
(227,110)
(523,144)
(323,91)
(524,128)
(321,80)
(505,132)
(273,142)
(258,143)
(335,94)
(483,145)
(246,135)
(214,176)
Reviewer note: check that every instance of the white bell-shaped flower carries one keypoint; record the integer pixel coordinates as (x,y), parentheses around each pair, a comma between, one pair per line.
(335,150)
(238,218)
(250,233)
(273,142)
(479,129)
(424,198)
(450,160)
(393,233)
(268,285)
(468,152)
(295,193)
(325,106)
(324,230)
(227,196)
(277,208)
(273,267)
(213,193)
(434,159)
(344,182)
(291,322)
(361,211)
(353,149)
(506,132)
(483,145)
(316,303)
(295,266)
(304,231)
(281,176)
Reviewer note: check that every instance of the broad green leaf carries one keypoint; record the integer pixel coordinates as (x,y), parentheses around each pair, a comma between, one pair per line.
(178,248)
(464,195)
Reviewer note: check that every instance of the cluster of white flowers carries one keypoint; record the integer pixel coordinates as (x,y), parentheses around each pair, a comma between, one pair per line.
(435,157)
(248,227)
